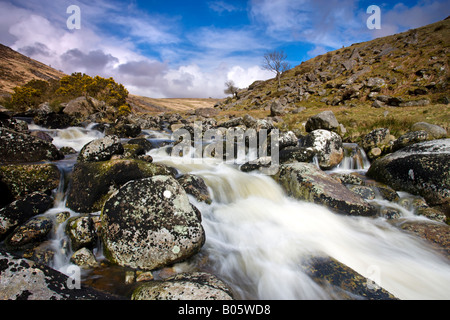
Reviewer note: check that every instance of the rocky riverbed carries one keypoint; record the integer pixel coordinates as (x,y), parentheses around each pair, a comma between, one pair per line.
(140,223)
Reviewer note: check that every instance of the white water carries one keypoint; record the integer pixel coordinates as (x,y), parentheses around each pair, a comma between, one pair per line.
(256,236)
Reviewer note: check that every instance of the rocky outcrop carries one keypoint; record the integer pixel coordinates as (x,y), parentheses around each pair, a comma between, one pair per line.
(23,279)
(16,147)
(305,181)
(421,169)
(184,286)
(93,182)
(149,223)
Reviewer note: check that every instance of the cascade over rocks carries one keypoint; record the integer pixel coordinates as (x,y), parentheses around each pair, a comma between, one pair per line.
(421,169)
(149,223)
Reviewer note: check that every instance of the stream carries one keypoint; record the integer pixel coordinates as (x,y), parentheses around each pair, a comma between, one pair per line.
(256,236)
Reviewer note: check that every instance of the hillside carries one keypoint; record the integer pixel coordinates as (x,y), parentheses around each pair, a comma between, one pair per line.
(17,69)
(399,78)
(142,104)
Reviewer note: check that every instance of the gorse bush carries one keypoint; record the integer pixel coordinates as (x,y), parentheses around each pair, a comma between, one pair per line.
(70,87)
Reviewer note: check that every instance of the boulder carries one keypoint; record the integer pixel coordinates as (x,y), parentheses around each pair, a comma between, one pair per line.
(420,169)
(325,120)
(149,223)
(184,286)
(30,233)
(18,180)
(327,146)
(296,154)
(16,147)
(305,181)
(195,186)
(54,120)
(409,139)
(93,182)
(377,138)
(277,109)
(437,234)
(22,210)
(82,107)
(123,130)
(101,149)
(437,132)
(346,282)
(81,232)
(23,279)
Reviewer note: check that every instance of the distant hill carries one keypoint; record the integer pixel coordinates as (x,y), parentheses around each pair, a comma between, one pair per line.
(142,104)
(17,69)
(407,69)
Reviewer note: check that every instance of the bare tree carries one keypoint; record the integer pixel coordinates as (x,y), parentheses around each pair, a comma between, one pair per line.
(275,61)
(231,88)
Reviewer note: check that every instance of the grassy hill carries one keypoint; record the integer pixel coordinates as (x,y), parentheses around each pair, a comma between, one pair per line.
(392,81)
(17,69)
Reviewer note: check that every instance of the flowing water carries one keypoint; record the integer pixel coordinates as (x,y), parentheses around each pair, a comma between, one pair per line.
(257,238)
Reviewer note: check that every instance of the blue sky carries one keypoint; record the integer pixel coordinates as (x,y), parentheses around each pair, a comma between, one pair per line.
(176,48)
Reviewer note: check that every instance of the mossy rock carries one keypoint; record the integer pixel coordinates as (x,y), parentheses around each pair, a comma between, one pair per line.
(19,180)
(93,182)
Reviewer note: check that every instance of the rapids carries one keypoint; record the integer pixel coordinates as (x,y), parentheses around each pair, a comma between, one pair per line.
(257,237)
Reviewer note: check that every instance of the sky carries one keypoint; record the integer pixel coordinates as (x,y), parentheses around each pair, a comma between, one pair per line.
(189,49)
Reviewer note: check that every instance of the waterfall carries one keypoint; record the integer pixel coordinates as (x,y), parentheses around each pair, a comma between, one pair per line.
(257,238)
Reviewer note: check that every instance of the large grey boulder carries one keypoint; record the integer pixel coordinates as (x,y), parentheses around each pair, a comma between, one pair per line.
(305,181)
(421,169)
(434,130)
(150,223)
(324,120)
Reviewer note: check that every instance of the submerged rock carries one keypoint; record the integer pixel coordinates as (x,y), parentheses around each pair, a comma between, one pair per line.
(346,282)
(184,286)
(421,169)
(306,182)
(149,223)
(195,186)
